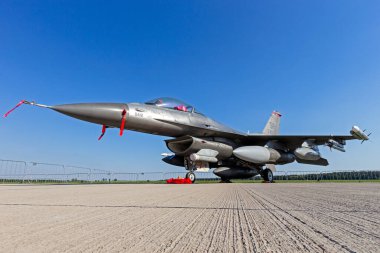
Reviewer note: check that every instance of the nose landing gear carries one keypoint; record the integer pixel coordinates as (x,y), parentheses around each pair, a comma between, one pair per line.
(191,167)
(190,175)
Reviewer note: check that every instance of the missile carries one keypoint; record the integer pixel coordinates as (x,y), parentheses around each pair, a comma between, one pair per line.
(203,158)
(359,134)
(335,145)
(205,155)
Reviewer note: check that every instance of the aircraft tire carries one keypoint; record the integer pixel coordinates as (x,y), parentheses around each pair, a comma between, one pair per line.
(191,176)
(225,180)
(268,175)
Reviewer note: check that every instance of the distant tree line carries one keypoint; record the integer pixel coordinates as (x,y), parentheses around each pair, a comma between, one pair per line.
(344,175)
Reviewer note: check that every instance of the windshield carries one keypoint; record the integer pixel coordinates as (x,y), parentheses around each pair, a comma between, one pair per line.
(171,103)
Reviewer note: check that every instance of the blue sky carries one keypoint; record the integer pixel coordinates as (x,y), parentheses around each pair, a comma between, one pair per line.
(317,62)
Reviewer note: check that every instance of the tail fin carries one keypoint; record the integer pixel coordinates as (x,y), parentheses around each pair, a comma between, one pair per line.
(273,125)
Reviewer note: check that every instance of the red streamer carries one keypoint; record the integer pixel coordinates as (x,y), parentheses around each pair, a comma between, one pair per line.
(123,122)
(103,132)
(14,108)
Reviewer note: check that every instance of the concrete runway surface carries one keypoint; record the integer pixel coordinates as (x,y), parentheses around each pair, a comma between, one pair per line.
(317,217)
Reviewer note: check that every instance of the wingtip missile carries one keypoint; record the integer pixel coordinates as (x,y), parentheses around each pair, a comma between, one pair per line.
(359,134)
(277,113)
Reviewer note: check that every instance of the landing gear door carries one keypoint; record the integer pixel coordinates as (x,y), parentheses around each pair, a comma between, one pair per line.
(202,166)
(197,165)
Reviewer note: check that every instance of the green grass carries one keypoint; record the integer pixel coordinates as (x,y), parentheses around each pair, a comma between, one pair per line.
(197,182)
(247,181)
(330,181)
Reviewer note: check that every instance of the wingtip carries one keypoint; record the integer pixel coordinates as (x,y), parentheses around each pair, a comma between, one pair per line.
(277,113)
(359,134)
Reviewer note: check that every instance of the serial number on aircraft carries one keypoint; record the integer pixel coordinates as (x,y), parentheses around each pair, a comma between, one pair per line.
(139,114)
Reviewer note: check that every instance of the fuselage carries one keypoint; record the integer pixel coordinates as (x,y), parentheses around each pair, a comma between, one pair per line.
(148,118)
(173,123)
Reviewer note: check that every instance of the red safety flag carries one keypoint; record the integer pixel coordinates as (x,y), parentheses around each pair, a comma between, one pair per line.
(103,132)
(123,114)
(14,108)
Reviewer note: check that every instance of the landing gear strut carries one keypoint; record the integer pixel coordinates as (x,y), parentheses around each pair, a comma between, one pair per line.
(267,175)
(191,176)
(191,167)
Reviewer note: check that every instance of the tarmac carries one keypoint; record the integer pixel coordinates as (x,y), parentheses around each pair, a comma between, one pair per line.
(279,217)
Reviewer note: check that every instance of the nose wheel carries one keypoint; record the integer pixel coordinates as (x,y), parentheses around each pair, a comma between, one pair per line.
(191,167)
(191,176)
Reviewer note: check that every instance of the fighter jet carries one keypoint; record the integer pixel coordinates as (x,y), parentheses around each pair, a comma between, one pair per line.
(199,143)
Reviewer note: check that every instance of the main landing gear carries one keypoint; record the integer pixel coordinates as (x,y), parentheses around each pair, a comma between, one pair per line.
(267,175)
(225,180)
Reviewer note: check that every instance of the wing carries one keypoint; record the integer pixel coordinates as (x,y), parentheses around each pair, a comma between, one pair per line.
(292,142)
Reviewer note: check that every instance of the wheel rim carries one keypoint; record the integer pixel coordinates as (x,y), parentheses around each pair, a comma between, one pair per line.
(192,177)
(270,176)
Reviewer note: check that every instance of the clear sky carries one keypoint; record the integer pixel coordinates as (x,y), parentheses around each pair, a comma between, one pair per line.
(317,62)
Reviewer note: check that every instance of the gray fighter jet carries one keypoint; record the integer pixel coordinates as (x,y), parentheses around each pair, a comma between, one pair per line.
(199,143)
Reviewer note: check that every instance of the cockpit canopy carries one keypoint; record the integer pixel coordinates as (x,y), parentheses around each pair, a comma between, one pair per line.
(171,103)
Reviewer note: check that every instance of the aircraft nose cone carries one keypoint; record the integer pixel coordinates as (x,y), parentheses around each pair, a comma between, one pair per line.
(108,114)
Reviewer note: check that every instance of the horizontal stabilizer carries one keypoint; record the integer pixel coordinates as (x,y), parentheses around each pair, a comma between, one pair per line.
(320,162)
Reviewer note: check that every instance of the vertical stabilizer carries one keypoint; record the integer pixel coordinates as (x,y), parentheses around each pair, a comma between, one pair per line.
(273,125)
